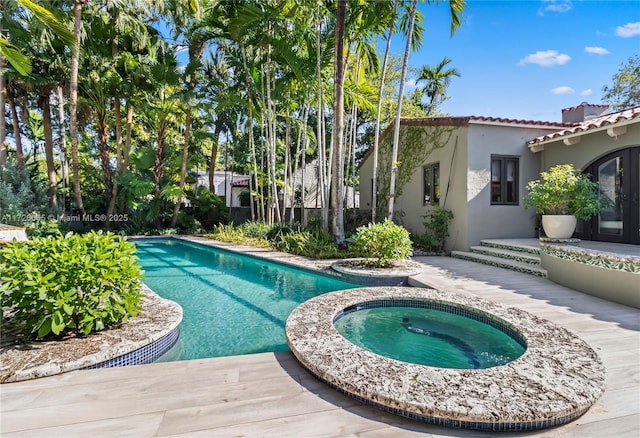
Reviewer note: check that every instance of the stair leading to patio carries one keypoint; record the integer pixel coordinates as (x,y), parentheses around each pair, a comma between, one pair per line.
(507,254)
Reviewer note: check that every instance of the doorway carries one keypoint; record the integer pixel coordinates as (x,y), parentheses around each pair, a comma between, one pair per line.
(618,174)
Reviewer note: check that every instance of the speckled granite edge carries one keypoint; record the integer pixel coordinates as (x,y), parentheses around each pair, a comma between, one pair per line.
(627,263)
(397,275)
(158,318)
(557,378)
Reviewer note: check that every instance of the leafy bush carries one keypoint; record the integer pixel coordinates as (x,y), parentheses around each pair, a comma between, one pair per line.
(277,231)
(294,242)
(383,242)
(75,282)
(228,233)
(22,198)
(207,209)
(256,230)
(566,190)
(43,228)
(436,229)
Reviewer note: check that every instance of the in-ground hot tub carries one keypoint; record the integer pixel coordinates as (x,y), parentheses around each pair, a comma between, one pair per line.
(432,333)
(555,380)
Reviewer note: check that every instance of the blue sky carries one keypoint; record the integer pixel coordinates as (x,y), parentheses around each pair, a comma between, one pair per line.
(529,59)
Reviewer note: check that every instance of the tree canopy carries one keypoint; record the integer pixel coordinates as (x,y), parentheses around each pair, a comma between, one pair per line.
(120,108)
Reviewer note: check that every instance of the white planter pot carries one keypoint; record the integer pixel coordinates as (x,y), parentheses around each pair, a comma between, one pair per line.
(559,226)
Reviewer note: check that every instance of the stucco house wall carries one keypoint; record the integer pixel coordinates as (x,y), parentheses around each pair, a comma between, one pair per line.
(486,220)
(465,177)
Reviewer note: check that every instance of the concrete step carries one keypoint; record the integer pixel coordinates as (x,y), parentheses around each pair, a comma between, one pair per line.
(499,262)
(511,245)
(507,254)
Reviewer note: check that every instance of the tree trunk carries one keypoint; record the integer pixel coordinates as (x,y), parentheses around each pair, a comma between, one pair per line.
(105,153)
(337,179)
(17,132)
(252,145)
(322,157)
(271,132)
(3,127)
(159,161)
(73,104)
(183,166)
(119,160)
(127,138)
(376,139)
(62,144)
(214,156)
(45,105)
(396,127)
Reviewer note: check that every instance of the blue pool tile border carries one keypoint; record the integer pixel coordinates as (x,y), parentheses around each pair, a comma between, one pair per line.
(143,355)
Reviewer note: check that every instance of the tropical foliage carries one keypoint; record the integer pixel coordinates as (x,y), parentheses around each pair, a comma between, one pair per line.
(566,190)
(118,105)
(383,243)
(80,283)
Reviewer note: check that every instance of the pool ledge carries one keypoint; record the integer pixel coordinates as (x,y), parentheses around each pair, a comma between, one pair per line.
(555,381)
(140,340)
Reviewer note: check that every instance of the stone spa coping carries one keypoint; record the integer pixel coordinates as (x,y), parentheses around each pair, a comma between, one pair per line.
(555,381)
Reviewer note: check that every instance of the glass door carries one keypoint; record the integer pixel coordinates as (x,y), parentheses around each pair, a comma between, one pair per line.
(619,179)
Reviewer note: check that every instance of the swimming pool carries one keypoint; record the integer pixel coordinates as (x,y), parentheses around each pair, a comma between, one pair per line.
(232,304)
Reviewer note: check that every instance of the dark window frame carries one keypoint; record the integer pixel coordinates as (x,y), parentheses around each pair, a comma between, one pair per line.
(502,183)
(432,197)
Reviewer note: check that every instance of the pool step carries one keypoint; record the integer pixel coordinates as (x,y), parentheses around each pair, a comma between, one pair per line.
(516,257)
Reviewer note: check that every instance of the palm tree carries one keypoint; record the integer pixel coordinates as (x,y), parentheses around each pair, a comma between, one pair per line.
(455,7)
(437,80)
(396,127)
(337,171)
(73,103)
(376,135)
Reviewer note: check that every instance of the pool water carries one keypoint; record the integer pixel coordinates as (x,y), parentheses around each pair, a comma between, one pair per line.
(232,304)
(428,337)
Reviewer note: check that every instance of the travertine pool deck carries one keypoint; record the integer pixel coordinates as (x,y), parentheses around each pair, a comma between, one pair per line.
(556,380)
(270,394)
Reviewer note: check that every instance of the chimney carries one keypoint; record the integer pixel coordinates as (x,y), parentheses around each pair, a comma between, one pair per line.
(583,112)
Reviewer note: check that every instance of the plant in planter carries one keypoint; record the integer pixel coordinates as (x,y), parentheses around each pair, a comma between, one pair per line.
(563,195)
(383,243)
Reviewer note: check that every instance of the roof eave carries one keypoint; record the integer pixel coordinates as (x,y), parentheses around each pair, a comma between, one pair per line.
(575,137)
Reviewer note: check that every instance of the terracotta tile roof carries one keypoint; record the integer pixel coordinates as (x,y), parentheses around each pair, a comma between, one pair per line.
(597,122)
(464,121)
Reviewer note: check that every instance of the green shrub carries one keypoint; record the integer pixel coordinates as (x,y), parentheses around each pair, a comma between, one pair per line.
(436,229)
(228,233)
(256,230)
(43,228)
(294,242)
(75,282)
(383,242)
(566,190)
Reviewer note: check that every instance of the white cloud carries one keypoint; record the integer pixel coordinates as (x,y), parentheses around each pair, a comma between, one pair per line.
(628,30)
(559,6)
(546,58)
(587,92)
(563,90)
(595,50)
